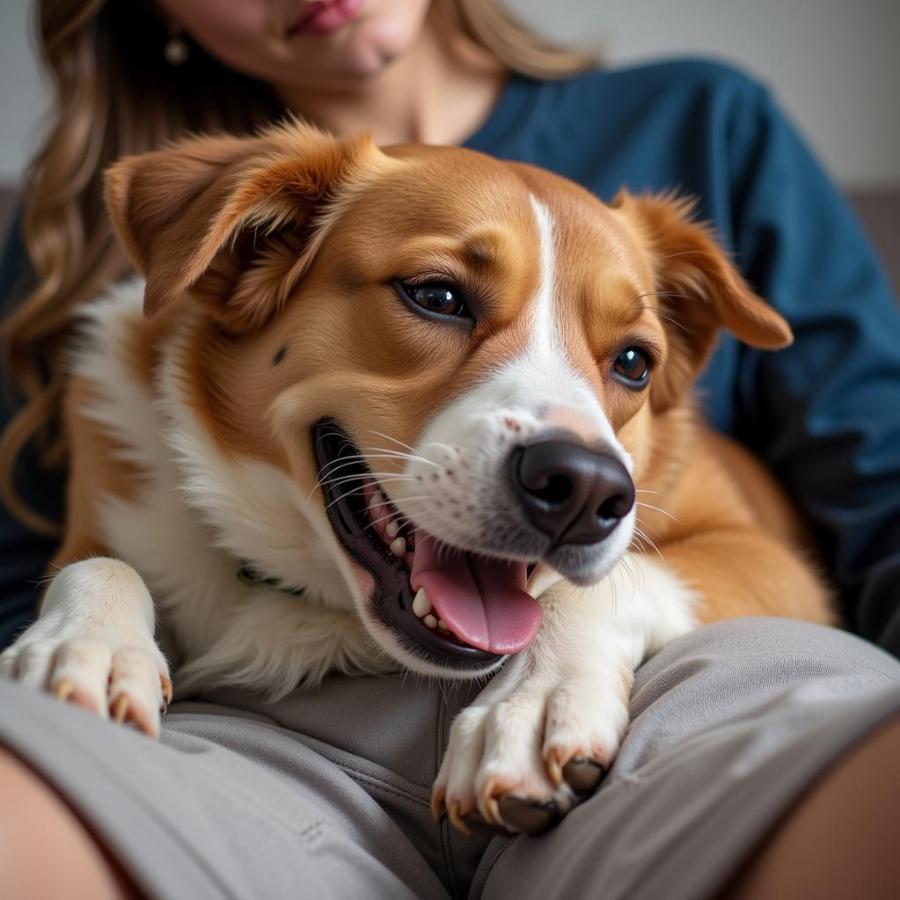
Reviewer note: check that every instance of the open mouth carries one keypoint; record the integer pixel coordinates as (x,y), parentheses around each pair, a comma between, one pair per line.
(458,609)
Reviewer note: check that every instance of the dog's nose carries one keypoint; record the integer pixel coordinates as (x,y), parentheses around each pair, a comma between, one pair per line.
(571,493)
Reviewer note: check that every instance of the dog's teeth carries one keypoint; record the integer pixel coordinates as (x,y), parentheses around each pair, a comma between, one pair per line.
(430,621)
(421,603)
(392,529)
(398,546)
(442,626)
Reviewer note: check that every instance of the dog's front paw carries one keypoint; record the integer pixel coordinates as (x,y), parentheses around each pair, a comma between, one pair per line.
(520,762)
(119,676)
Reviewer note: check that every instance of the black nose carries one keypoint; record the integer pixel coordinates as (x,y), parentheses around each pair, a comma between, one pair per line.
(571,493)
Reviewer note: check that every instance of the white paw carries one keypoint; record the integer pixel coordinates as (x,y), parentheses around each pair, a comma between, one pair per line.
(519,760)
(115,674)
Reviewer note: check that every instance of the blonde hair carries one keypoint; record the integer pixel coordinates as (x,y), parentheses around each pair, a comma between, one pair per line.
(116,95)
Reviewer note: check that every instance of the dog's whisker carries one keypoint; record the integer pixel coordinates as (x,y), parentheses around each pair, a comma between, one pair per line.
(323,480)
(343,461)
(381,478)
(376,522)
(334,466)
(356,491)
(634,575)
(344,496)
(395,440)
(387,453)
(368,475)
(650,541)
(326,476)
(394,515)
(657,509)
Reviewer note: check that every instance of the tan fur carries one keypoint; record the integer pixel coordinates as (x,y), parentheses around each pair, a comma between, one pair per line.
(731,533)
(287,244)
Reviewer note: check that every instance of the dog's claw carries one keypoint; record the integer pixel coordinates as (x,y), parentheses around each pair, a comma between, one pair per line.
(455,817)
(438,810)
(166,688)
(493,811)
(528,816)
(583,775)
(555,771)
(63,690)
(119,708)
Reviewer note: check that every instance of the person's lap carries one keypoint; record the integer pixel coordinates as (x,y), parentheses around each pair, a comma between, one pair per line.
(326,793)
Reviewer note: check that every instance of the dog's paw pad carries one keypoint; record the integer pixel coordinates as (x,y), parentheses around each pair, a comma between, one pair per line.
(582,772)
(583,775)
(528,816)
(474,824)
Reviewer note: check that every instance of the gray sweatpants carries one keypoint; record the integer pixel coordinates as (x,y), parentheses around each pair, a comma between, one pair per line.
(325,794)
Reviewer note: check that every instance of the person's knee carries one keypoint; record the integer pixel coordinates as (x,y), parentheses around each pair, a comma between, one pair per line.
(739,669)
(768,644)
(44,850)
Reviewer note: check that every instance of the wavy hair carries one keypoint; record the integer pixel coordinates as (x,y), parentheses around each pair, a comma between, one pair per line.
(114,94)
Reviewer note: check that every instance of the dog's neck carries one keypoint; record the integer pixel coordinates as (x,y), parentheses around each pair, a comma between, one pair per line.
(254,507)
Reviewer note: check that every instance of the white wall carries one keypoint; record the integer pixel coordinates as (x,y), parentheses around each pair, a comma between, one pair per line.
(835,64)
(23,97)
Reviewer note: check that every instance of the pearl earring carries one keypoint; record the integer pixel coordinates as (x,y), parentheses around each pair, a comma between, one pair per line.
(176,50)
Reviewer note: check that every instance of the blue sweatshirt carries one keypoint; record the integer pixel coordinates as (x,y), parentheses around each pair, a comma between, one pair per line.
(823,414)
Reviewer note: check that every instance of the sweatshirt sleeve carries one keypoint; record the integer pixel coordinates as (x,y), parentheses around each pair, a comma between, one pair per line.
(824,413)
(24,555)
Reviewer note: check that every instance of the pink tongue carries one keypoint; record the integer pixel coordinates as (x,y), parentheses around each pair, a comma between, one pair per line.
(482,601)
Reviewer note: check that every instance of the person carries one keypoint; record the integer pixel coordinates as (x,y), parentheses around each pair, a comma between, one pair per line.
(762,758)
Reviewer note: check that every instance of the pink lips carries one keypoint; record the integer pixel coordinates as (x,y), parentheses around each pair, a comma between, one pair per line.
(325,16)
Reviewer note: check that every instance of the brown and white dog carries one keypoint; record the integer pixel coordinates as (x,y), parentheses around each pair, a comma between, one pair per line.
(405,408)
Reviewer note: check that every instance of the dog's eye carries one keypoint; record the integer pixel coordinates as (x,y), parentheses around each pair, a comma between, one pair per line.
(441,299)
(632,367)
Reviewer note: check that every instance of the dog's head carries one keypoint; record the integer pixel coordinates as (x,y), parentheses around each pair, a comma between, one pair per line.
(459,360)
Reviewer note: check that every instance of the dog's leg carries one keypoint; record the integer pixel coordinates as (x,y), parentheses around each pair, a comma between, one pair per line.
(93,645)
(542,733)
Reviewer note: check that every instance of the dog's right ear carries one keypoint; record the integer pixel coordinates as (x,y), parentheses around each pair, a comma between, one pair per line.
(698,291)
(235,221)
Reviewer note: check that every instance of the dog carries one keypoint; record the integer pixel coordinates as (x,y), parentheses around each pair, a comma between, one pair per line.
(406,408)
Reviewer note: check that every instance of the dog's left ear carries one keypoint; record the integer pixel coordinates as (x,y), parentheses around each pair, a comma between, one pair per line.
(234,222)
(697,290)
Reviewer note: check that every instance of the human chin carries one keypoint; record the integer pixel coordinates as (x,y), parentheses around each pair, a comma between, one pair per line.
(389,32)
(385,30)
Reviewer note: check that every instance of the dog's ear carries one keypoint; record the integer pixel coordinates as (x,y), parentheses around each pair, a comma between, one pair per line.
(696,289)
(235,221)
